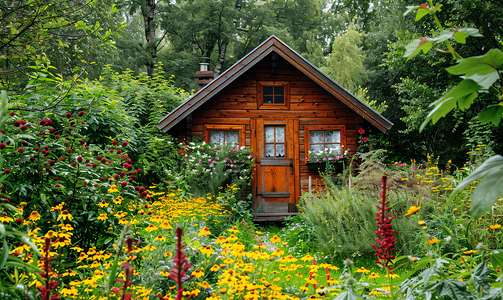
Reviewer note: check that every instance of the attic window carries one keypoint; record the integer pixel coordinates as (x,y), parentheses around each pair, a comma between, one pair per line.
(273,94)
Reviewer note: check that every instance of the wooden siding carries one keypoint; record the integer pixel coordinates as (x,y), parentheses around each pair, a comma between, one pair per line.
(310,104)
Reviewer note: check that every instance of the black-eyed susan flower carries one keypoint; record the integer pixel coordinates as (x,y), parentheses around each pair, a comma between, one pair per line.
(234,229)
(102,217)
(151,227)
(215,268)
(160,237)
(103,203)
(34,216)
(363,270)
(165,225)
(198,273)
(204,231)
(275,239)
(206,250)
(65,215)
(307,257)
(374,275)
(494,227)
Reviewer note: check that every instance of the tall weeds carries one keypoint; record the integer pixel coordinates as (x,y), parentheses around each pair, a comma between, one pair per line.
(344,220)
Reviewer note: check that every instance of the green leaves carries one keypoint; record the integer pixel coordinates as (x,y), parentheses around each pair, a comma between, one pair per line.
(481,72)
(489,188)
(492,113)
(463,95)
(416,46)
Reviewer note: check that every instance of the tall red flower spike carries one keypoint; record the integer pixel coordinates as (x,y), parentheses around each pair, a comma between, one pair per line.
(385,239)
(182,264)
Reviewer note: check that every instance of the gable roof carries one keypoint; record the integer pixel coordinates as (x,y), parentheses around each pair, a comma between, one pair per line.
(243,65)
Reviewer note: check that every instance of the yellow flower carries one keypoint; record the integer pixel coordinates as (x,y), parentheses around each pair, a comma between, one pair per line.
(422,223)
(215,268)
(165,225)
(374,275)
(198,273)
(65,214)
(412,210)
(34,216)
(493,227)
(206,250)
(103,217)
(151,227)
(204,231)
(113,189)
(432,241)
(160,237)
(258,232)
(404,179)
(103,203)
(275,239)
(234,229)
(307,258)
(220,240)
(278,252)
(392,275)
(362,270)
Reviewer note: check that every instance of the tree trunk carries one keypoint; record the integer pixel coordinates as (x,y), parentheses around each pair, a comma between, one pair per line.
(151,47)
(221,58)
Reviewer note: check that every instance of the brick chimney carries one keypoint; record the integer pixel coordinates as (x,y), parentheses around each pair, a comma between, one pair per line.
(203,76)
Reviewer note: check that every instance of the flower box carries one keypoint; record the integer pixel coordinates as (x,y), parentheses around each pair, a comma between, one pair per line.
(339,165)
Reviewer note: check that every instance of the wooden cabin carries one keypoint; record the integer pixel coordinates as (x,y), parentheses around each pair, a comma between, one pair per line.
(279,104)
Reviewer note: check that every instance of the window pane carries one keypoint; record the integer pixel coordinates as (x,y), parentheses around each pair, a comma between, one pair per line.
(333,148)
(279,99)
(269,134)
(280,134)
(316,149)
(268,99)
(316,137)
(269,150)
(280,150)
(268,91)
(216,136)
(232,137)
(279,91)
(332,136)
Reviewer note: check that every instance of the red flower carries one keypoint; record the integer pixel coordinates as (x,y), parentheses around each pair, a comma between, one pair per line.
(68,115)
(124,144)
(94,165)
(69,150)
(386,239)
(20,150)
(82,142)
(19,221)
(52,130)
(361,131)
(12,113)
(114,143)
(74,164)
(58,185)
(81,114)
(103,160)
(79,159)
(116,176)
(124,184)
(24,127)
(2,146)
(57,136)
(62,159)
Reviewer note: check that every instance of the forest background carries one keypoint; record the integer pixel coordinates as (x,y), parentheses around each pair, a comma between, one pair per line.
(134,61)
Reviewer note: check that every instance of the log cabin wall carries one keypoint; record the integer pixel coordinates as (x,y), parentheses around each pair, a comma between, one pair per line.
(309,105)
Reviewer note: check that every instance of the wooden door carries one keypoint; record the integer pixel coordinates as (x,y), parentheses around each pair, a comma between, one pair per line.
(275,173)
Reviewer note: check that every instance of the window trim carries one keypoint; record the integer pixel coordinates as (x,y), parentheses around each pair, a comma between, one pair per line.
(307,136)
(240,128)
(260,94)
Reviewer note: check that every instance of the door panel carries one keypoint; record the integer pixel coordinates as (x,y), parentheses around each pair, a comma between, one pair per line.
(275,166)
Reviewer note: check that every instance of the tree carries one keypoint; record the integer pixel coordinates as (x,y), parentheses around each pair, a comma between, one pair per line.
(345,63)
(482,74)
